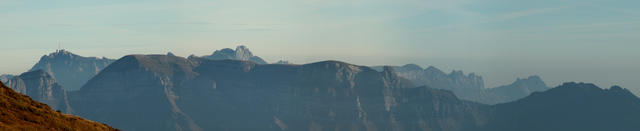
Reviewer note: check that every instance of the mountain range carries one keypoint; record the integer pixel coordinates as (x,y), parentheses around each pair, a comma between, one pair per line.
(168,92)
(160,92)
(141,92)
(19,112)
(469,87)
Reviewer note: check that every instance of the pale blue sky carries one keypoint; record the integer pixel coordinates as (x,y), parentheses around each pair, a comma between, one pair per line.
(560,40)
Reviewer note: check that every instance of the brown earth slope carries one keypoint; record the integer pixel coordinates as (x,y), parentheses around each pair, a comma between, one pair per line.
(19,112)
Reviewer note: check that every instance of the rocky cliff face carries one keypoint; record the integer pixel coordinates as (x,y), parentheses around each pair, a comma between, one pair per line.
(19,112)
(570,107)
(42,87)
(71,70)
(241,53)
(158,92)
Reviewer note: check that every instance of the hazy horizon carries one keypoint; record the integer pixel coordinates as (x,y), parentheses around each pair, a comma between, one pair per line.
(588,41)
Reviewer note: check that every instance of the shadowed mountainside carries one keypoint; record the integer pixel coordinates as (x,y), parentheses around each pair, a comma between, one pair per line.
(160,92)
(19,112)
(570,107)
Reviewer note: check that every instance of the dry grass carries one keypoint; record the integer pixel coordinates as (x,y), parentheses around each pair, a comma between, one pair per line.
(21,113)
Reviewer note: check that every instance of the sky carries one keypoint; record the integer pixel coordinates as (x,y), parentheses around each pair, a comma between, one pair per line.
(592,41)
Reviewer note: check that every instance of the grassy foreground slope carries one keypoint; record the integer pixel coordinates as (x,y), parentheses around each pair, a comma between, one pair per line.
(19,112)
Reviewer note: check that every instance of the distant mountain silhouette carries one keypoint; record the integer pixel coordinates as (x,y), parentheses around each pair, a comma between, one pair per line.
(469,87)
(5,77)
(160,92)
(241,53)
(519,89)
(570,107)
(19,112)
(71,70)
(42,87)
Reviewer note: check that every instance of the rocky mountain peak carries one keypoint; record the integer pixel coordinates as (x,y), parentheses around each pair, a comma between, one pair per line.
(70,70)
(241,53)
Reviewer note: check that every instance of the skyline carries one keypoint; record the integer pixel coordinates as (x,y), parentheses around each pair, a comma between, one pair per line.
(590,41)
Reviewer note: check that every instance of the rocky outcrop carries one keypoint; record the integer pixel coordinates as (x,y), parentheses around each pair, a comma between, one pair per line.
(159,92)
(42,87)
(71,70)
(241,53)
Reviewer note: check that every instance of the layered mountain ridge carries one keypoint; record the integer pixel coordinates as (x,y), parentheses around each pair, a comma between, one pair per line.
(161,92)
(469,87)
(202,94)
(168,92)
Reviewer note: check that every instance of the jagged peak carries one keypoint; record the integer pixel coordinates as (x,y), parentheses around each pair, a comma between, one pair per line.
(241,53)
(243,50)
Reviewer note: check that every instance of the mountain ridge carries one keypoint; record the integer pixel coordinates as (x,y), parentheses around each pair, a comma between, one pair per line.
(234,93)
(71,70)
